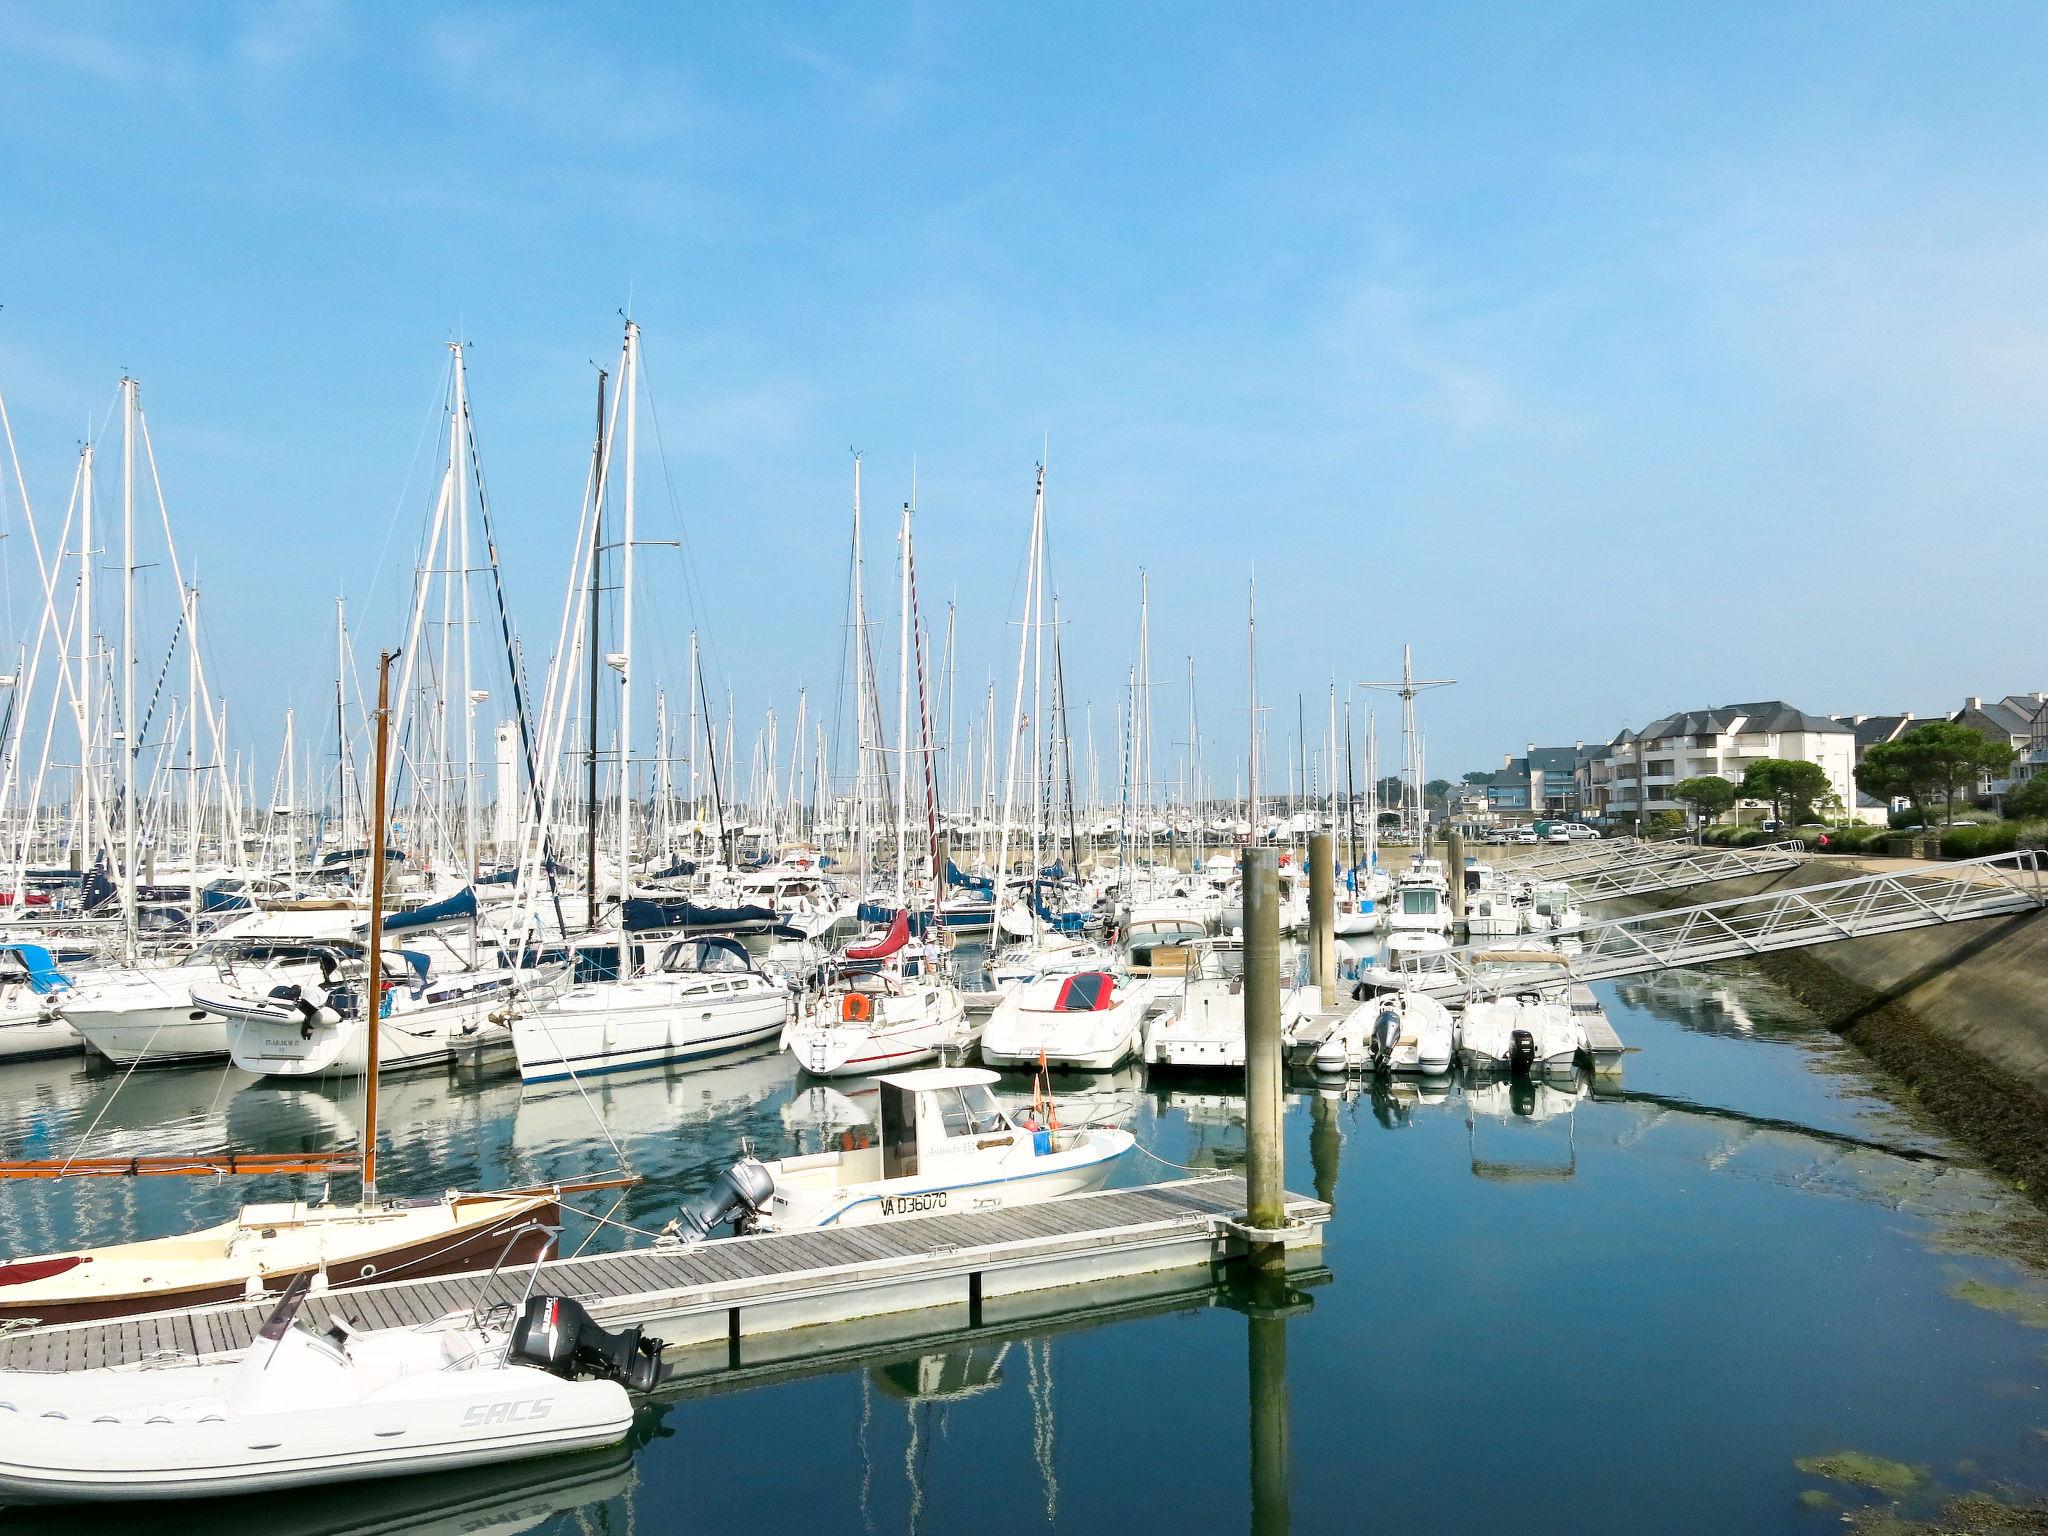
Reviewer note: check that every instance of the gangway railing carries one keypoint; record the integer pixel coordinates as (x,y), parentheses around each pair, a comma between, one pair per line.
(1693,866)
(1589,858)
(1858,908)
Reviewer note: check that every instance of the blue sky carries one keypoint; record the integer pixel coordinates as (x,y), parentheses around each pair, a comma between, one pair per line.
(1622,358)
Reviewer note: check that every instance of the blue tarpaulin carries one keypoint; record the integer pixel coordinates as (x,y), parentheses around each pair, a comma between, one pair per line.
(40,965)
(641,914)
(448,909)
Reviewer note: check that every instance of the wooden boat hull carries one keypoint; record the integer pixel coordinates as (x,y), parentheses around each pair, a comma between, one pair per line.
(459,1249)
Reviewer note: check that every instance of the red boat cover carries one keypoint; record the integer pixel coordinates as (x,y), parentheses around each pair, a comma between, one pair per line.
(1087,992)
(39,1269)
(897,936)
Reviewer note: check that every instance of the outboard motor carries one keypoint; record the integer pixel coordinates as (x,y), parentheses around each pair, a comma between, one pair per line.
(741,1193)
(1386,1034)
(560,1337)
(1521,1053)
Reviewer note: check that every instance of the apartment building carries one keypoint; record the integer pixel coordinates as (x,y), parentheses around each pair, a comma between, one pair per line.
(1640,768)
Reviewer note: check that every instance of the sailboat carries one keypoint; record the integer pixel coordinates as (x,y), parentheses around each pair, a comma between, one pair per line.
(263,1248)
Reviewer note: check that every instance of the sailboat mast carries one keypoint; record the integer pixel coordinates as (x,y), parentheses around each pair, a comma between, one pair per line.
(594,646)
(459,465)
(192,746)
(129,746)
(373,984)
(630,407)
(903,713)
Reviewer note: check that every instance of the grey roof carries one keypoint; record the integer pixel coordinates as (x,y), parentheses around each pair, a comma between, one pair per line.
(1995,719)
(1872,730)
(1770,715)
(1554,759)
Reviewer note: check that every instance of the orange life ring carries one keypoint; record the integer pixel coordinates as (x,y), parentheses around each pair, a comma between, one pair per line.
(855,1008)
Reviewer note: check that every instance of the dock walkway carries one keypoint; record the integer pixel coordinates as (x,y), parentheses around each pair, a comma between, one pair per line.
(733,1287)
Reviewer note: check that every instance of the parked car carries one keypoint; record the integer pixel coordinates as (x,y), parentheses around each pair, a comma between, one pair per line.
(1525,836)
(1559,835)
(1579,833)
(1497,835)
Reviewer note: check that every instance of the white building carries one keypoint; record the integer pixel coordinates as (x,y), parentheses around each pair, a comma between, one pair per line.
(1642,767)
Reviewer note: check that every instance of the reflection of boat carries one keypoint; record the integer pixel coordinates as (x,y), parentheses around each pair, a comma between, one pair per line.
(301,1408)
(945,1145)
(647,1104)
(1523,1102)
(947,1377)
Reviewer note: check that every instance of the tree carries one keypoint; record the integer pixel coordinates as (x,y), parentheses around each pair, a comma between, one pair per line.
(1437,792)
(1390,790)
(1791,786)
(1932,761)
(1710,796)
(2029,799)
(1664,823)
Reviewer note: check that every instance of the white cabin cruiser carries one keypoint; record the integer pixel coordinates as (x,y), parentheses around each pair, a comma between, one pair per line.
(31,988)
(1491,910)
(881,1009)
(426,1016)
(1088,1021)
(1421,901)
(946,1146)
(1553,908)
(1519,1018)
(1052,954)
(705,996)
(1206,1032)
(301,1407)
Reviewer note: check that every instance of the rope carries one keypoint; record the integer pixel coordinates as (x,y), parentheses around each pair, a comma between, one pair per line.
(1183,1167)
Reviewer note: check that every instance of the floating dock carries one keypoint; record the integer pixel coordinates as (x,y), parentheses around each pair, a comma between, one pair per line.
(725,1291)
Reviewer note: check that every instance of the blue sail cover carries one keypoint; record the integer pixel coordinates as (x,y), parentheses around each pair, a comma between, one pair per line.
(641,914)
(876,915)
(957,876)
(448,909)
(41,967)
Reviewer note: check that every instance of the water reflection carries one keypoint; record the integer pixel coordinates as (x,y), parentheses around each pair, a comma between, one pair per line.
(1710,1210)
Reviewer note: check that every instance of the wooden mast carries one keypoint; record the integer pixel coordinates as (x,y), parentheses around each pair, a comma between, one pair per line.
(373,1001)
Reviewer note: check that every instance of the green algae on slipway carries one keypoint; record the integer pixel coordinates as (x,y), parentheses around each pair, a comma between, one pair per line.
(1894,1478)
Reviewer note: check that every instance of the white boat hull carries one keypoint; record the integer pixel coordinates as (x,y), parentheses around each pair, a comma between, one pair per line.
(31,1035)
(162,1036)
(825,1047)
(572,1041)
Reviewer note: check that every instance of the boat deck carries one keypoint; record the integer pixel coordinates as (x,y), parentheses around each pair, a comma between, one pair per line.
(734,1287)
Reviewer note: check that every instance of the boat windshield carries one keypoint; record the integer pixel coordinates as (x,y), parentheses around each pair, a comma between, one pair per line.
(1419,900)
(1221,962)
(1553,901)
(970,1111)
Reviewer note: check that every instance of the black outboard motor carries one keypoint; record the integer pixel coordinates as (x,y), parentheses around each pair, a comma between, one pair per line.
(1386,1034)
(1521,1053)
(560,1337)
(741,1193)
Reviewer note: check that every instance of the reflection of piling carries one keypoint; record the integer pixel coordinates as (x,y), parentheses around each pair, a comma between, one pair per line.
(1265,1161)
(1322,915)
(1266,1328)
(1454,866)
(1325,1146)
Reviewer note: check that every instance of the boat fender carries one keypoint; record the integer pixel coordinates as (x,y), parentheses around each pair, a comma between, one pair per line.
(1521,1052)
(741,1193)
(559,1336)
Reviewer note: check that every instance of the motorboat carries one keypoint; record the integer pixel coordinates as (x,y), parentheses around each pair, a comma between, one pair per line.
(145,1015)
(31,986)
(1491,911)
(704,997)
(1519,1018)
(1421,900)
(1393,1029)
(263,1247)
(946,1146)
(1206,1031)
(1089,1021)
(1052,954)
(426,1016)
(881,1008)
(303,1407)
(1553,908)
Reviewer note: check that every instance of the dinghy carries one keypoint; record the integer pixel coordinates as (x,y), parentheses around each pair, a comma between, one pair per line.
(302,1407)
(946,1147)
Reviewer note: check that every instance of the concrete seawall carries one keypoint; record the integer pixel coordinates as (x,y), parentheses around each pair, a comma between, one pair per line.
(1958,1014)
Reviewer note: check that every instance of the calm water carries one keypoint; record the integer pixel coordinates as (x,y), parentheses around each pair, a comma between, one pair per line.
(1626,1312)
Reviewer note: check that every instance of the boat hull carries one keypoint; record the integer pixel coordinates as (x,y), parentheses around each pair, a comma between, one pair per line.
(553,1047)
(447,1250)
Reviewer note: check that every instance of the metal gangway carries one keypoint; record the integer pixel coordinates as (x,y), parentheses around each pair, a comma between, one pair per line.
(1858,908)
(1578,859)
(1689,866)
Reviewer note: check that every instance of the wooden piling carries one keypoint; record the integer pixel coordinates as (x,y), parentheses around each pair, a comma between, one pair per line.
(1454,868)
(1265,1160)
(1322,915)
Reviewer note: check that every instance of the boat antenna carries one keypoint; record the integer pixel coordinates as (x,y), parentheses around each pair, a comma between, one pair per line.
(373,1001)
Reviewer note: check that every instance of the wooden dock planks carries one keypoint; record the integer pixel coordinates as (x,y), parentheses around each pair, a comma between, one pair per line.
(736,1273)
